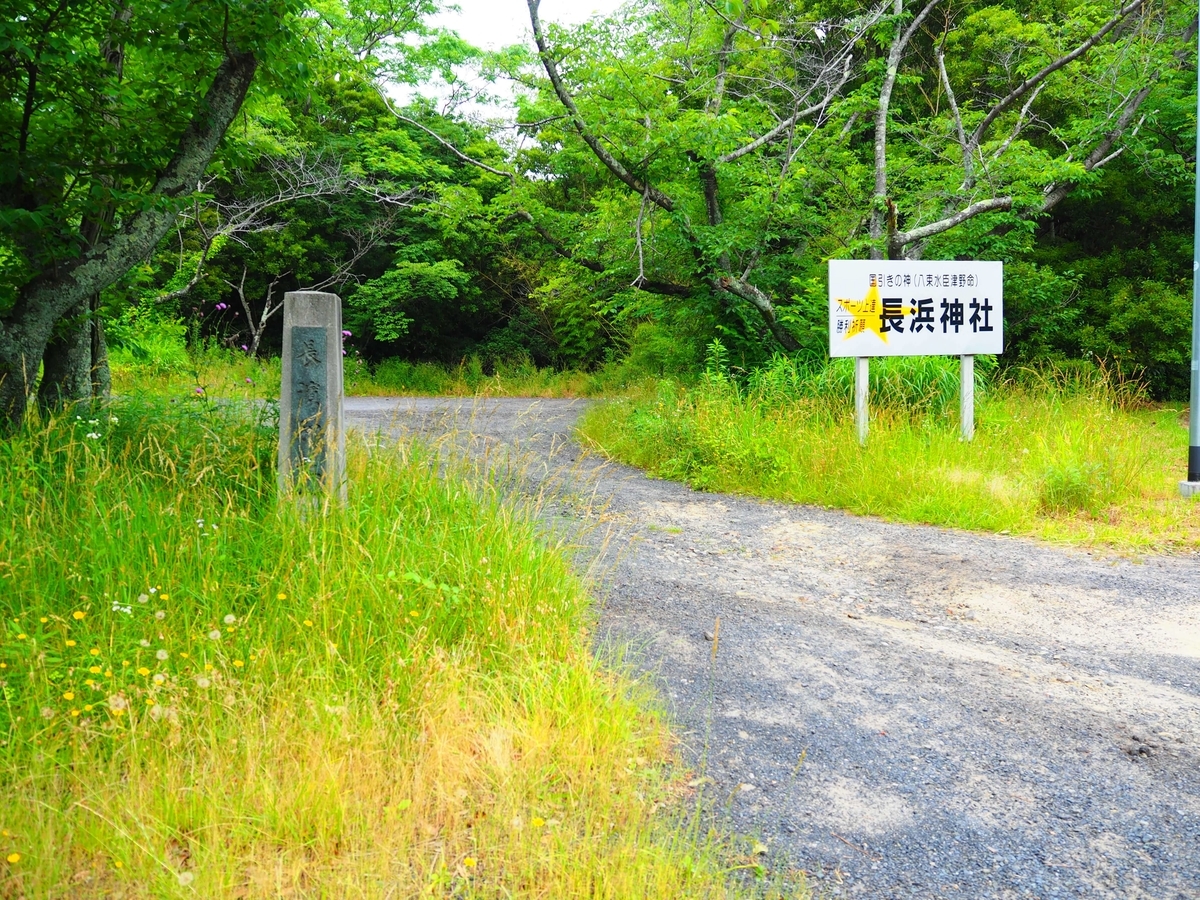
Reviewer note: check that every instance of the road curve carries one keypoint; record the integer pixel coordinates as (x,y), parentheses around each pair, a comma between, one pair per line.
(902,711)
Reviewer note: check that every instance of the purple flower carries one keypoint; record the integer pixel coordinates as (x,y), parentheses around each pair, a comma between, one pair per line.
(347,334)
(244,347)
(221,306)
(199,390)
(343,353)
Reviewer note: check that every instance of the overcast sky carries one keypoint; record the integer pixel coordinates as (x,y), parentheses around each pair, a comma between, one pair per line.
(492,24)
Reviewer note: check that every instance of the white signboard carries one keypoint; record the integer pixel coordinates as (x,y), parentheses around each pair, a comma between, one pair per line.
(915,308)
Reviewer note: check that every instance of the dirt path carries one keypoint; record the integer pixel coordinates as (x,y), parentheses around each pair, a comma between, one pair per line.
(907,712)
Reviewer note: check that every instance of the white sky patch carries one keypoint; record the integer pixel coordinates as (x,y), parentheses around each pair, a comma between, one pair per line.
(491,25)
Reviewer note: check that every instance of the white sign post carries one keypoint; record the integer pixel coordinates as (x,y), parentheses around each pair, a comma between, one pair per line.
(915,308)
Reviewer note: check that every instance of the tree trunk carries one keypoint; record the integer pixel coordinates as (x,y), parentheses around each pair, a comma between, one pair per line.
(75,364)
(101,374)
(67,362)
(29,326)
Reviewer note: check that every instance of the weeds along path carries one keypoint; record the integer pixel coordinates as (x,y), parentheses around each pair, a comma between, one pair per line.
(905,712)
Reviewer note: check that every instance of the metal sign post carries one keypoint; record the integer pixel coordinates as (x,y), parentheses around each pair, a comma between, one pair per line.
(862,384)
(1191,487)
(966,397)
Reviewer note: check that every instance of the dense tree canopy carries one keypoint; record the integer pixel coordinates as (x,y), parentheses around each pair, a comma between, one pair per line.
(679,171)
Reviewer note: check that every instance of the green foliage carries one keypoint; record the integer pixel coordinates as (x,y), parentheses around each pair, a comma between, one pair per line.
(1065,453)
(380,303)
(1071,488)
(267,690)
(564,265)
(140,339)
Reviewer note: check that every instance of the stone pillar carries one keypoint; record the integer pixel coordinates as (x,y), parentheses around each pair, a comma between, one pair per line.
(312,443)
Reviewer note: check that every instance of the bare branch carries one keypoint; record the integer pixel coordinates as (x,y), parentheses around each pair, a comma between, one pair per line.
(1102,153)
(365,240)
(791,120)
(761,301)
(657,197)
(996,204)
(470,160)
(968,161)
(1033,81)
(641,216)
(1020,124)
(878,212)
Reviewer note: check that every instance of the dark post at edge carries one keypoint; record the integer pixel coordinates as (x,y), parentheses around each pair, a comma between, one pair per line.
(1192,485)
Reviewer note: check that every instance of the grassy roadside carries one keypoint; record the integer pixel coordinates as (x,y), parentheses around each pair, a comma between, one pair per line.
(204,694)
(225,373)
(1063,459)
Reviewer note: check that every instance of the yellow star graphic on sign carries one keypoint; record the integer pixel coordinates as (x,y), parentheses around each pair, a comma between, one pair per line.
(868,314)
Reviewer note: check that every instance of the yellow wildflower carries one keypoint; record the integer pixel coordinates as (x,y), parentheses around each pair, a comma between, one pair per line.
(142,670)
(69,695)
(78,614)
(469,862)
(95,651)
(70,643)
(14,858)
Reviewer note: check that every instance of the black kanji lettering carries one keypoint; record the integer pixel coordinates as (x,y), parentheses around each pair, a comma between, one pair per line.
(923,321)
(952,315)
(981,322)
(892,316)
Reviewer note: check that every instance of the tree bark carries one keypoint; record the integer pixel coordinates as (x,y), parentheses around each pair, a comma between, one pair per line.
(100,372)
(67,361)
(28,327)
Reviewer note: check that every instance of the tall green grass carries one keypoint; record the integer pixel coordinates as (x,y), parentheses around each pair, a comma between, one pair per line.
(206,693)
(220,372)
(1070,453)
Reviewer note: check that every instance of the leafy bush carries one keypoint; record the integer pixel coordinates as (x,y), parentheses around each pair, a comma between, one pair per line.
(141,340)
(1073,487)
(917,386)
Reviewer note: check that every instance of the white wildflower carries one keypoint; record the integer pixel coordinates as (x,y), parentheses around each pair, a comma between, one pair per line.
(161,655)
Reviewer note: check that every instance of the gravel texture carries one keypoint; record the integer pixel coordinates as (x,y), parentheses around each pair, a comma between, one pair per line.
(902,711)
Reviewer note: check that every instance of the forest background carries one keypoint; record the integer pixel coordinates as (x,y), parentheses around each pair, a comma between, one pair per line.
(678,173)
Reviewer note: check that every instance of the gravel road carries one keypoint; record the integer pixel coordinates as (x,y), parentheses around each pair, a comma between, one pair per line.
(903,711)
